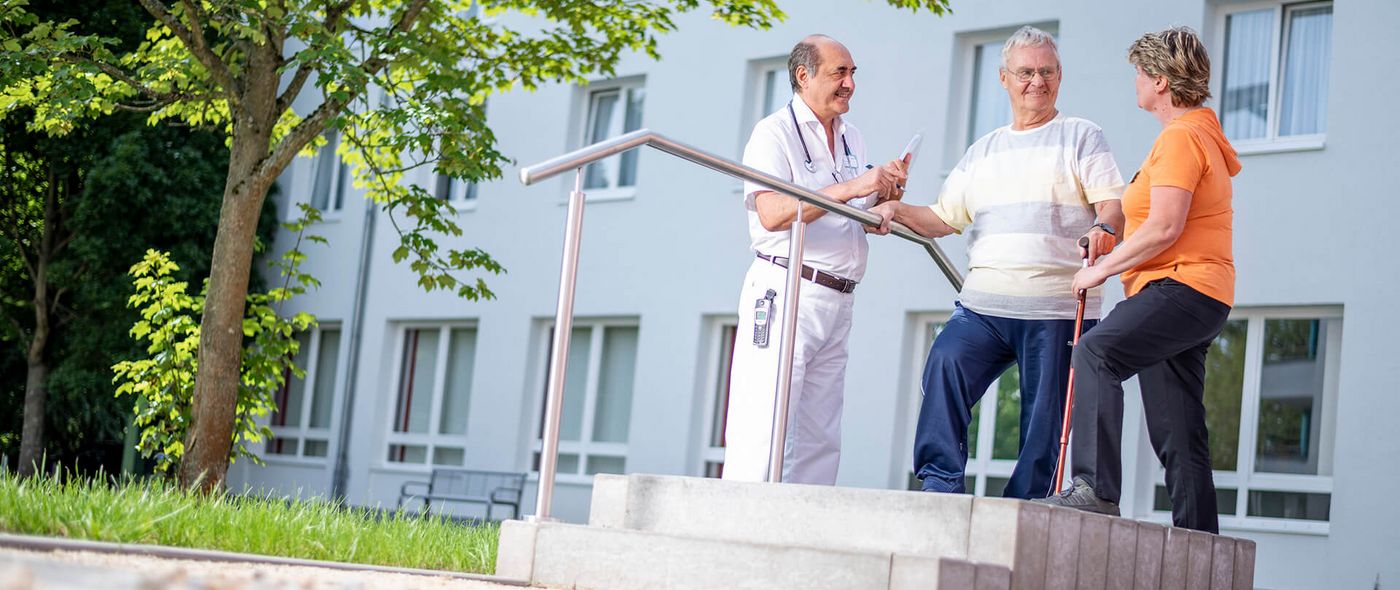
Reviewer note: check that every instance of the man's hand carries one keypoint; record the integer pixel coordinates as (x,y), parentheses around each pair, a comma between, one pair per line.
(1100,243)
(882,181)
(886,211)
(901,165)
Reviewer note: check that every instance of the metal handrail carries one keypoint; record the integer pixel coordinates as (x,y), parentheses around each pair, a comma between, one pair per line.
(555,166)
(568,278)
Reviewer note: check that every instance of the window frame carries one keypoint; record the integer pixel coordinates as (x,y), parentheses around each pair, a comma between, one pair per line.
(717,368)
(584,449)
(981,463)
(1244,480)
(583,137)
(432,439)
(461,193)
(964,83)
(1272,142)
(970,111)
(303,431)
(339,179)
(758,70)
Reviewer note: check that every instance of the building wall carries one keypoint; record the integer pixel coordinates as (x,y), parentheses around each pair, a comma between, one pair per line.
(1311,229)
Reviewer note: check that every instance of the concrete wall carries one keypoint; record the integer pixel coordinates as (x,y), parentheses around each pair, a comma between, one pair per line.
(1312,228)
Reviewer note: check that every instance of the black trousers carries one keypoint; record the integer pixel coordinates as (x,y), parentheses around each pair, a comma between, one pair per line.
(1161,335)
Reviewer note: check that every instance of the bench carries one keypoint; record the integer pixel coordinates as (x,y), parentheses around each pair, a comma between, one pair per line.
(492,488)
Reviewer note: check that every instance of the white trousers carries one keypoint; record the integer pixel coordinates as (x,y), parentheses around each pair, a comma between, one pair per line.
(813,448)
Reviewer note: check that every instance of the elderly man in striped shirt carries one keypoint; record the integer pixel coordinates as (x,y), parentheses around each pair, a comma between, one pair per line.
(1028,191)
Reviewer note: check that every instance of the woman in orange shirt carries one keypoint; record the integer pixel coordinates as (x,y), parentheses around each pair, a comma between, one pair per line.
(1178,272)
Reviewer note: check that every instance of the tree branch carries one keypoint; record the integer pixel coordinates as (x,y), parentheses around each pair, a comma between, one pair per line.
(315,124)
(194,40)
(334,16)
(156,105)
(377,62)
(379,175)
(121,76)
(159,98)
(53,304)
(19,331)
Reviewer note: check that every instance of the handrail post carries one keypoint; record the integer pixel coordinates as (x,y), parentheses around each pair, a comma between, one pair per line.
(559,352)
(777,445)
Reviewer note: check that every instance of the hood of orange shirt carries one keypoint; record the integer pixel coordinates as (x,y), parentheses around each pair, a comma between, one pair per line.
(1207,123)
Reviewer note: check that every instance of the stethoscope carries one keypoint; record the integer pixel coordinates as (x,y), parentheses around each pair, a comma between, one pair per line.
(850,159)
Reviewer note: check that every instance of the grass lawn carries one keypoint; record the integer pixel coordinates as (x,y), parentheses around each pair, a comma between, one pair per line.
(158,513)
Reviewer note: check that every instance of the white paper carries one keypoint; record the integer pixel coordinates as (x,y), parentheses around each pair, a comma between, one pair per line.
(912,150)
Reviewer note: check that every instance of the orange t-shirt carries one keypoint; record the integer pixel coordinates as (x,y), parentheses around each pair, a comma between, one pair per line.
(1192,154)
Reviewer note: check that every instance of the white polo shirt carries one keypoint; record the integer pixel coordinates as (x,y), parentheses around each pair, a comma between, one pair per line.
(832,243)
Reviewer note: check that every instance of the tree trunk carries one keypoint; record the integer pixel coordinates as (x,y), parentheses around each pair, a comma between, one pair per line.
(31,446)
(215,404)
(210,435)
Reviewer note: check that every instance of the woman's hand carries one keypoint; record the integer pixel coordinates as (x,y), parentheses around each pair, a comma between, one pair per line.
(1088,278)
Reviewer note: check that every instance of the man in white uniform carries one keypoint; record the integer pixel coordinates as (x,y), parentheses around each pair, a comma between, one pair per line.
(808,143)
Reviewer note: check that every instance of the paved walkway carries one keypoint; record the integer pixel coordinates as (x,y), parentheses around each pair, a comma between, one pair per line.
(22,569)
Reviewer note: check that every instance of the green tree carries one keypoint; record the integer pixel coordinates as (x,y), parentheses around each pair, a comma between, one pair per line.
(241,66)
(172,176)
(163,381)
(38,182)
(107,168)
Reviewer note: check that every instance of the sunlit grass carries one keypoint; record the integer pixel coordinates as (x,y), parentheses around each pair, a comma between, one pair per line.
(155,512)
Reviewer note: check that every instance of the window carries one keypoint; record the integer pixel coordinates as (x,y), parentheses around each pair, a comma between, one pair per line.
(993,438)
(721,360)
(1277,60)
(458,191)
(613,109)
(329,176)
(982,105)
(597,413)
(1271,394)
(452,189)
(429,416)
(773,88)
(301,424)
(989,107)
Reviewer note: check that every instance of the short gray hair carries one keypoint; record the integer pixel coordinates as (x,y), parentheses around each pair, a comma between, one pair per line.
(804,54)
(1028,36)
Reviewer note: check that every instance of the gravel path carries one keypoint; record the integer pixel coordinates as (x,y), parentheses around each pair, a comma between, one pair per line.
(64,570)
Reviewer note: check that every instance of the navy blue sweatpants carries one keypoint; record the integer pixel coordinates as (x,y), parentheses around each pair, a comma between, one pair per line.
(968,355)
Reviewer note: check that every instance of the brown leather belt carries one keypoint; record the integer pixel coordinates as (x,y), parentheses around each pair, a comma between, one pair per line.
(819,277)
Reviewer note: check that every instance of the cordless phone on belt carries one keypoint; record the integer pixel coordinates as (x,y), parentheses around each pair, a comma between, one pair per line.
(762,317)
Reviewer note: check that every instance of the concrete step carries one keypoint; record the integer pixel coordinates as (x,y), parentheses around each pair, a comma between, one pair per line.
(668,524)
(558,555)
(854,519)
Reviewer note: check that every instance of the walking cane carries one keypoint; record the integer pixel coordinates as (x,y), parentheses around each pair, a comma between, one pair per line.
(1069,391)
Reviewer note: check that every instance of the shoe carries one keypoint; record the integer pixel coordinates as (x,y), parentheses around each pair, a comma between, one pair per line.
(1080,496)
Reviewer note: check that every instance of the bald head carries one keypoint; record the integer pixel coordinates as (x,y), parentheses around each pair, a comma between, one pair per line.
(808,54)
(823,74)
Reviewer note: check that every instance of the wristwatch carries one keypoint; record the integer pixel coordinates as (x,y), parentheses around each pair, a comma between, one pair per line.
(1105,227)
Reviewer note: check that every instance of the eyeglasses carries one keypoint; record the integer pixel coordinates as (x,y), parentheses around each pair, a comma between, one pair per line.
(1027,74)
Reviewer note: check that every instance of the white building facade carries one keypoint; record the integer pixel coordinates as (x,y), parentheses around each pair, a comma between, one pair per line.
(1302,385)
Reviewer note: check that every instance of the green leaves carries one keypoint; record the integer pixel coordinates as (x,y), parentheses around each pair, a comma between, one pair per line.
(163,381)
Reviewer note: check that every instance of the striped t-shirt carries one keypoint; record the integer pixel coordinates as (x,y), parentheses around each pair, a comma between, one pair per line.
(1028,197)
